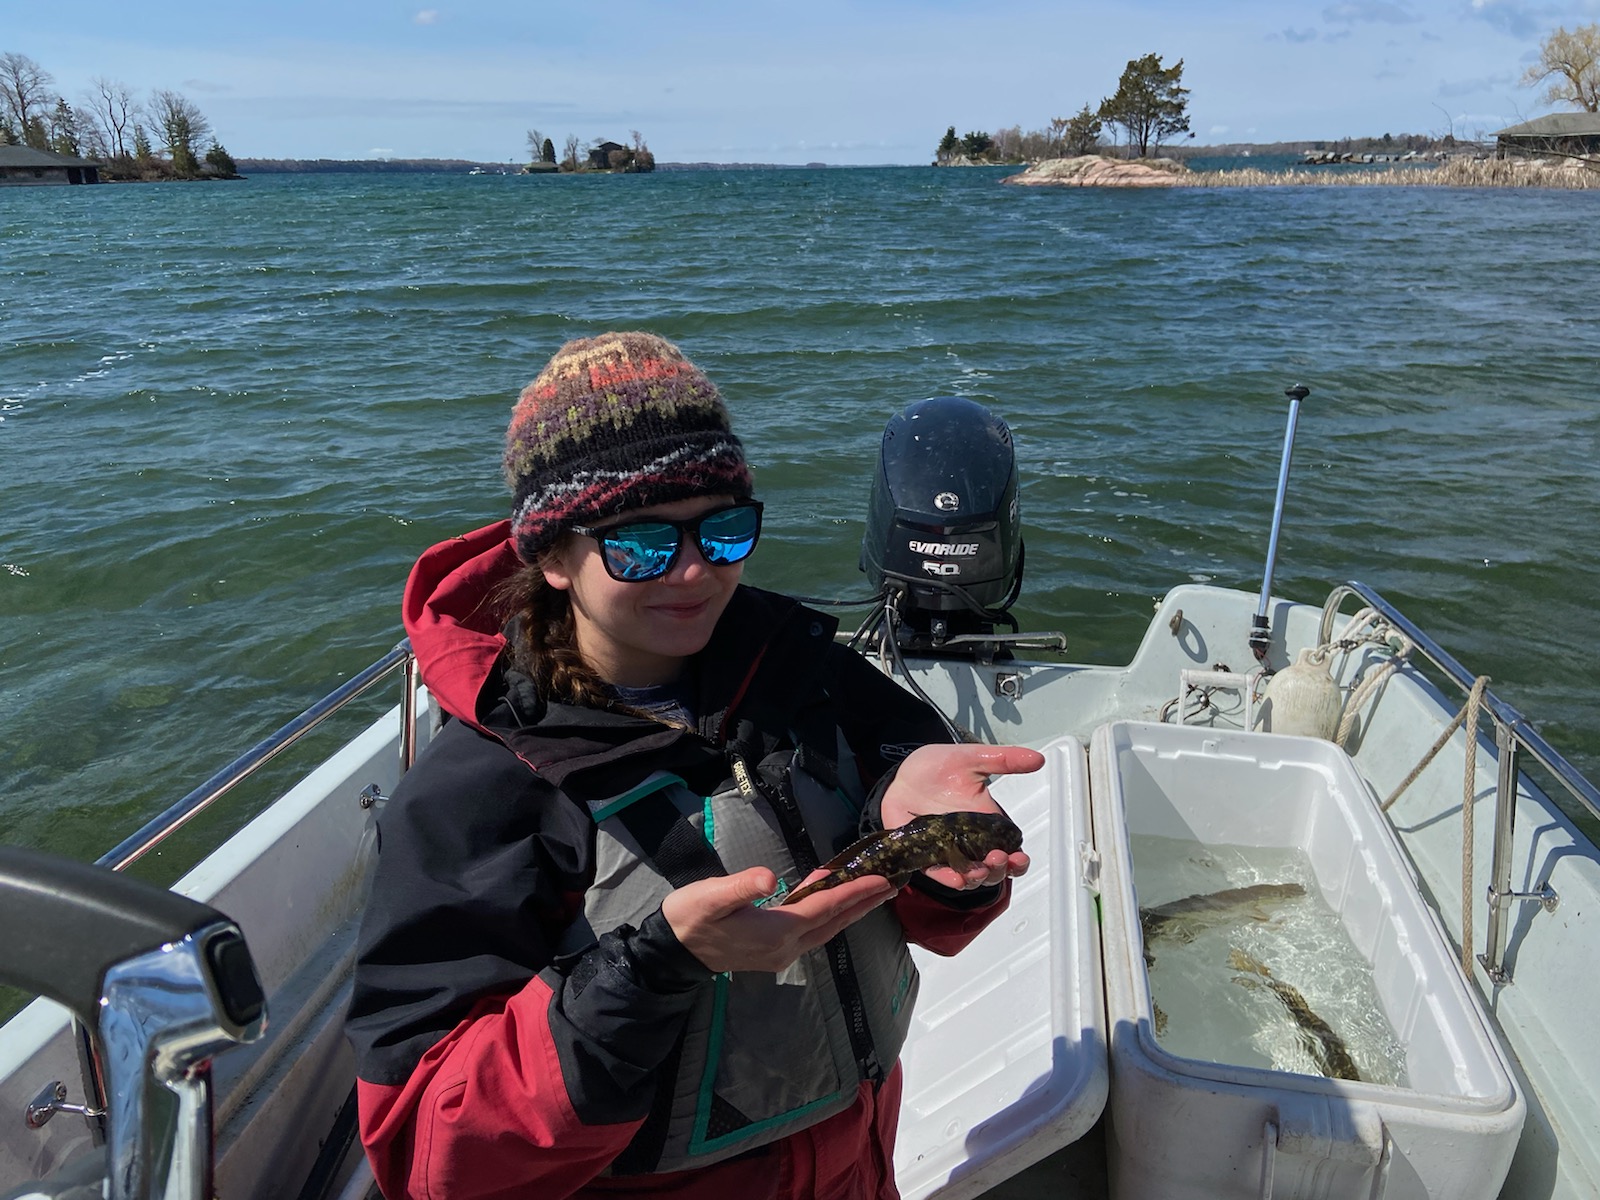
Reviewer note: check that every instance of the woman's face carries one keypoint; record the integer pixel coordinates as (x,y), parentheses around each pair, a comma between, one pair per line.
(639,634)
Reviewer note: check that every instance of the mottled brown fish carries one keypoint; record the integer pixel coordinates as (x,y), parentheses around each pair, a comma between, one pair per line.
(1327,1048)
(953,839)
(1184,918)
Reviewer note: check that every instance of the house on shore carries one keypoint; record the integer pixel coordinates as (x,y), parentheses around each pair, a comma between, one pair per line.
(600,156)
(23,165)
(1564,134)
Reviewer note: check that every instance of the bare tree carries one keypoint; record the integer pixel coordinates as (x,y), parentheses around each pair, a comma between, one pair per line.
(535,145)
(111,111)
(569,159)
(25,94)
(1574,61)
(183,127)
(1058,133)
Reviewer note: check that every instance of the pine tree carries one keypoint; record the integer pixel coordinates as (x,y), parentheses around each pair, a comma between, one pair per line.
(1150,102)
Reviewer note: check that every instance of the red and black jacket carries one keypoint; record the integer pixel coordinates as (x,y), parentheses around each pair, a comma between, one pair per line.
(489,1064)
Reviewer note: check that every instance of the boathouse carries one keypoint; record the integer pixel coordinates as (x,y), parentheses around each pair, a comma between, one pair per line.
(1564,135)
(23,165)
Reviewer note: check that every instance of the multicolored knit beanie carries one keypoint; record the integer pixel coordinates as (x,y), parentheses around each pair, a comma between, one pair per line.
(613,423)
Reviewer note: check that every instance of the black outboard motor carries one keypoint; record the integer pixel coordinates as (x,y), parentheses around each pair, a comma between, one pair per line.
(943,526)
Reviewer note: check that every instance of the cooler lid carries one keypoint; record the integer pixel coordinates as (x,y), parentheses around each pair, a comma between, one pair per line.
(1006,1058)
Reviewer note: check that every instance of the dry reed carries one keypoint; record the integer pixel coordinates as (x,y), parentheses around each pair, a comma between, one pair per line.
(1460,172)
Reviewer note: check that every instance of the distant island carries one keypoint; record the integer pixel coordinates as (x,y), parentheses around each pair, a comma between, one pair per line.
(378,166)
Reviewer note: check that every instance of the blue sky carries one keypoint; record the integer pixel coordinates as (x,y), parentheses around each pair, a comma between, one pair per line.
(836,81)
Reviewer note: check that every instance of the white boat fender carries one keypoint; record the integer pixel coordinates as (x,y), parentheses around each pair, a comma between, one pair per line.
(1303,699)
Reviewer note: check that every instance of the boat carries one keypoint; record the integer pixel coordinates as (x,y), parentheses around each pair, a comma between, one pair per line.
(1475,918)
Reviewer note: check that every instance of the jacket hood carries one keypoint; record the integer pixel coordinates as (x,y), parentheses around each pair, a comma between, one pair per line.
(454,629)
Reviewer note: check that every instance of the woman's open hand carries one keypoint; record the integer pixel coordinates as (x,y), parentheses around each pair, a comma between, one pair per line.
(717,921)
(954,778)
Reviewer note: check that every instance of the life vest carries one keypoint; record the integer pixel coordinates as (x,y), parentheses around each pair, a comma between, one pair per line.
(762,1054)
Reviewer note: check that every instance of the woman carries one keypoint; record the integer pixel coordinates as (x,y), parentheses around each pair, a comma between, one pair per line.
(568,981)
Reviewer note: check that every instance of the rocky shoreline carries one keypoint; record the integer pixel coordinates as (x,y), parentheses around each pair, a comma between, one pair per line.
(1095,171)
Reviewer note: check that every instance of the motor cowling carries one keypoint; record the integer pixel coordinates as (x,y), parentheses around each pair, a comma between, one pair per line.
(943,522)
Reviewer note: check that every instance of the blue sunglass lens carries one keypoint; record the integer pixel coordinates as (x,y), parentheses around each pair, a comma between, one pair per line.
(638,552)
(730,535)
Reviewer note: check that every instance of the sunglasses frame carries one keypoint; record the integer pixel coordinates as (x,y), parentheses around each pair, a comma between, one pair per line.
(688,530)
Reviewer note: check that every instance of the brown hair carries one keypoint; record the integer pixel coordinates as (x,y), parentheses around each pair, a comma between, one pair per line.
(546,645)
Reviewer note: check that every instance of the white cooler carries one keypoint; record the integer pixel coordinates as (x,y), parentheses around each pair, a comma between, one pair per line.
(1185,1129)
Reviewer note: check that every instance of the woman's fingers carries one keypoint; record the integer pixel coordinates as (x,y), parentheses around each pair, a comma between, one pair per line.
(716,919)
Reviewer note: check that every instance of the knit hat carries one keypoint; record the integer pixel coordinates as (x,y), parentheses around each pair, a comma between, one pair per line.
(613,423)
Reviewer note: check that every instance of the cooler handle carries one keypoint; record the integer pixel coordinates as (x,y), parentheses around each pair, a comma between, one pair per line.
(1310,1140)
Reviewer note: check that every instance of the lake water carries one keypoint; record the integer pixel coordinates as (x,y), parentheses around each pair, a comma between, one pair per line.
(231,415)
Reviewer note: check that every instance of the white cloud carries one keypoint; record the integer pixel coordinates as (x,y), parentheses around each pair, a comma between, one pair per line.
(1217,130)
(428,16)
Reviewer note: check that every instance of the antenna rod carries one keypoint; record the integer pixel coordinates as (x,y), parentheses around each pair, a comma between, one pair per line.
(1260,628)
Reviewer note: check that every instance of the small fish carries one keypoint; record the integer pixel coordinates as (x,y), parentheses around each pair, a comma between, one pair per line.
(1327,1048)
(954,839)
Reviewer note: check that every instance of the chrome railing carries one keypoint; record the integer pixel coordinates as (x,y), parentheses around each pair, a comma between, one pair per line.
(162,826)
(1514,736)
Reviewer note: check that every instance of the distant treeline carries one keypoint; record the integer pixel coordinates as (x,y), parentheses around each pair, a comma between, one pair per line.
(365,166)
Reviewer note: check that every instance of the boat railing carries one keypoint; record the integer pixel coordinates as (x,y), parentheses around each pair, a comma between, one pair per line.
(1514,736)
(168,822)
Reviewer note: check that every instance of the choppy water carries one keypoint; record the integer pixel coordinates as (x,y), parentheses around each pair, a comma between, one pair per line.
(234,413)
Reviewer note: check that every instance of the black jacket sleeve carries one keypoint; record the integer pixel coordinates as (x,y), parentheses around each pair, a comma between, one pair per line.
(481,866)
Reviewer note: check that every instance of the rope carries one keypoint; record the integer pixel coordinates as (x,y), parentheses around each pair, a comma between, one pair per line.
(1358,697)
(1468,716)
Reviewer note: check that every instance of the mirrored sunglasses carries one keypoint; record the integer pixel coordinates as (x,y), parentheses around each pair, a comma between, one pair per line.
(639,550)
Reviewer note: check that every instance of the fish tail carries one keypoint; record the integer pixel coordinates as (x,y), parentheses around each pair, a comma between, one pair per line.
(819,885)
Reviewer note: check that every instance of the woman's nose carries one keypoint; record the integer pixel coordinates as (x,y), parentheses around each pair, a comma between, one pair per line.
(689,566)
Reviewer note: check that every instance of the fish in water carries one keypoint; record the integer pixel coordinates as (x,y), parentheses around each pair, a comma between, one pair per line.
(1185,918)
(1327,1048)
(953,839)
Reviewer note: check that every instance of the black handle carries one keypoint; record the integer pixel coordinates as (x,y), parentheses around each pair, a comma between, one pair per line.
(63,924)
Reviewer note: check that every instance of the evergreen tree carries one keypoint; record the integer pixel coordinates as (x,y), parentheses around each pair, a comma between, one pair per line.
(1082,132)
(976,144)
(143,155)
(948,145)
(221,161)
(64,130)
(1150,102)
(8,132)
